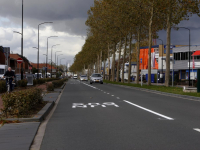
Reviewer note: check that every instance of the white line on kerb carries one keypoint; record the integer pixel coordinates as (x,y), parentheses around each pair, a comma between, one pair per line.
(153,112)
(196,129)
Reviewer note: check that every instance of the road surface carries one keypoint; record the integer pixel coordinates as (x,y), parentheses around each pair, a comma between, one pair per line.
(108,117)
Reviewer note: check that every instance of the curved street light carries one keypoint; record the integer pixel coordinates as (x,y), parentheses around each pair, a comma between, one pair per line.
(47,51)
(51,57)
(39,45)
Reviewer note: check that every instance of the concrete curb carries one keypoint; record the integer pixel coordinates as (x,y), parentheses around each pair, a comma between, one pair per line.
(159,92)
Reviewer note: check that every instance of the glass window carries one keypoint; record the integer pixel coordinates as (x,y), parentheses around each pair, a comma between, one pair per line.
(186,56)
(96,75)
(178,56)
(1,71)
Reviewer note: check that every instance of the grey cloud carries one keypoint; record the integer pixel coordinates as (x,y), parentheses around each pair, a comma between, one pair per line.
(67,15)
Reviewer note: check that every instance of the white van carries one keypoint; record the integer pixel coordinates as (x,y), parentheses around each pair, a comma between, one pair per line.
(75,76)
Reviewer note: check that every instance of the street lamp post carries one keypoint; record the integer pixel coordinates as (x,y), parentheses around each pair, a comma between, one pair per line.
(189,51)
(37,57)
(21,52)
(51,57)
(61,59)
(39,46)
(47,51)
(55,56)
(57,60)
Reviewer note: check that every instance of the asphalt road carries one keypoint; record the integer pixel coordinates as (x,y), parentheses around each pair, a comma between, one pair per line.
(108,117)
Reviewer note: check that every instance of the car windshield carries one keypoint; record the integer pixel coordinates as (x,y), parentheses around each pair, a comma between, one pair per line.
(96,75)
(83,76)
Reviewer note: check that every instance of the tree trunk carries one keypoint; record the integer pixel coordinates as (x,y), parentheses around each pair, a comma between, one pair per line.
(124,57)
(118,65)
(108,73)
(167,72)
(100,66)
(150,45)
(129,67)
(113,63)
(104,66)
(138,55)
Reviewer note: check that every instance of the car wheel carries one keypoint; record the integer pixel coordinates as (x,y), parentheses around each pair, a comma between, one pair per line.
(101,82)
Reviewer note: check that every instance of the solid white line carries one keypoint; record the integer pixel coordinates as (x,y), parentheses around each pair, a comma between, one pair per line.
(153,112)
(196,129)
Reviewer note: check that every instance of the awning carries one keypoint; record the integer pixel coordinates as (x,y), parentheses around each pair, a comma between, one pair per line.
(197,53)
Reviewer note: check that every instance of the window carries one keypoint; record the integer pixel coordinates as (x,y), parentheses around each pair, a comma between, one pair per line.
(1,71)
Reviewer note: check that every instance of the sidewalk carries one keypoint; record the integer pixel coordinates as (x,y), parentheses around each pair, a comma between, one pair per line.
(19,136)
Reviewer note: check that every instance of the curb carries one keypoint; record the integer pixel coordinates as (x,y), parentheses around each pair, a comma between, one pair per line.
(159,92)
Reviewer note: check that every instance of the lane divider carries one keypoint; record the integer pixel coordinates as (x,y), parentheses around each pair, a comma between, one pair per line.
(196,129)
(153,112)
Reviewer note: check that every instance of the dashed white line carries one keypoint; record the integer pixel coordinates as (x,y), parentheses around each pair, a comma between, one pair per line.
(117,97)
(153,112)
(196,129)
(112,95)
(108,93)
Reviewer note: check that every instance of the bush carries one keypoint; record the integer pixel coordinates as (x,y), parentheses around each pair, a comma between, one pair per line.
(50,87)
(2,86)
(22,83)
(58,83)
(21,103)
(42,81)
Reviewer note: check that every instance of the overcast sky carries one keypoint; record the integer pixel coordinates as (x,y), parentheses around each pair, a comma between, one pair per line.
(68,17)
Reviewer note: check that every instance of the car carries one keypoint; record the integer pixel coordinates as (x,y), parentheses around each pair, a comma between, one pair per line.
(83,78)
(75,76)
(96,78)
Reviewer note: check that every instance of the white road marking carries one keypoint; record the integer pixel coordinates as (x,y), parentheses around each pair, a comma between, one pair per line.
(108,93)
(117,97)
(153,112)
(104,92)
(112,95)
(196,129)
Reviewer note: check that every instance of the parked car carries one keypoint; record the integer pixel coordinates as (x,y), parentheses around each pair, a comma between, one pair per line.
(96,78)
(75,76)
(83,78)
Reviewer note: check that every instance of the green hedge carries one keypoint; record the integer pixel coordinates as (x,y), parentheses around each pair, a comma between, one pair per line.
(58,83)
(42,81)
(2,86)
(50,87)
(21,103)
(22,83)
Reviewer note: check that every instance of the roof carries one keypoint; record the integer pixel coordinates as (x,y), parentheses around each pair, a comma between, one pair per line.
(14,56)
(197,53)
(186,48)
(42,65)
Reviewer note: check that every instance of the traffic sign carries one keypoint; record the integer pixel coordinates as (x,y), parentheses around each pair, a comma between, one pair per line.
(19,60)
(30,68)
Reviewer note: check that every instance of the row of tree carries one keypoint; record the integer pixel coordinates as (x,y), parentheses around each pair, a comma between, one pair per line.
(116,25)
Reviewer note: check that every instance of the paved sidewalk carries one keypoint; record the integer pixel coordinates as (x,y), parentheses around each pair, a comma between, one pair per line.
(18,136)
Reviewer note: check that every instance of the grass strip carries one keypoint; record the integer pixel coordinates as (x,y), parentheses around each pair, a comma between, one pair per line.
(174,90)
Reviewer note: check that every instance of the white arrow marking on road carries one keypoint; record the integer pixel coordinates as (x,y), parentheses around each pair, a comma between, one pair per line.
(153,112)
(196,129)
